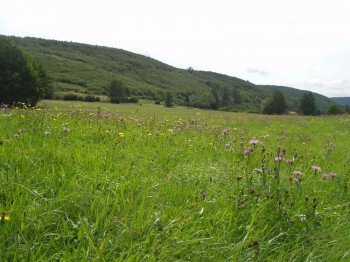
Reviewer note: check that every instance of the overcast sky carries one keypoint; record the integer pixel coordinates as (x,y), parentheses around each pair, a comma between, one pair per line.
(299,43)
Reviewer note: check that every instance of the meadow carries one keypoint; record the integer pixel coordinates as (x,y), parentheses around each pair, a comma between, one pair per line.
(101,182)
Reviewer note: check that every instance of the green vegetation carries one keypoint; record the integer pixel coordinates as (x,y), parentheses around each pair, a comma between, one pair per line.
(308,105)
(125,182)
(117,92)
(169,99)
(275,105)
(21,78)
(88,70)
(335,109)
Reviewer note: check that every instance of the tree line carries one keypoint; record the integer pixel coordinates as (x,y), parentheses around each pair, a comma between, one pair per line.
(21,77)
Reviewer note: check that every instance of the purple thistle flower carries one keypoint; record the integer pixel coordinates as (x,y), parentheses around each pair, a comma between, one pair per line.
(332,175)
(228,144)
(248,151)
(225,131)
(204,195)
(278,159)
(297,173)
(325,176)
(289,161)
(316,168)
(66,129)
(254,142)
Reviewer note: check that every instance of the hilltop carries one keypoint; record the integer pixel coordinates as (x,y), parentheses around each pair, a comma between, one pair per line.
(342,100)
(88,70)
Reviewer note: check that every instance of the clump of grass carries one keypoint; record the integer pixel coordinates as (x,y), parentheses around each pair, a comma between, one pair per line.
(124,182)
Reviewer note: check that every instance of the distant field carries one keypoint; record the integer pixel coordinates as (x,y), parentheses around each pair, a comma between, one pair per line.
(97,181)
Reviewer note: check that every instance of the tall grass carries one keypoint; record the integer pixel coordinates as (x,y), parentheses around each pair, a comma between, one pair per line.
(88,181)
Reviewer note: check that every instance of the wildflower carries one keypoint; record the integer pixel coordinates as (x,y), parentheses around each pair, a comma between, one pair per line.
(247,151)
(278,159)
(328,176)
(47,133)
(16,135)
(4,217)
(325,176)
(332,175)
(289,161)
(204,195)
(297,173)
(121,135)
(254,142)
(258,170)
(316,168)
(294,179)
(149,134)
(225,131)
(66,129)
(228,144)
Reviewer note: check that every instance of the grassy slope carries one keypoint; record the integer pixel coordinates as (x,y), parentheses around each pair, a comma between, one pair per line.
(89,69)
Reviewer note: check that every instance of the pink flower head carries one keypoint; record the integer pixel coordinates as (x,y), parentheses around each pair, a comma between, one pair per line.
(316,168)
(66,129)
(332,175)
(278,159)
(289,161)
(254,142)
(248,151)
(228,144)
(325,176)
(297,173)
(225,131)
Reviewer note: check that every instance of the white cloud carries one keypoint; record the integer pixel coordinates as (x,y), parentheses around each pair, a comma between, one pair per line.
(297,42)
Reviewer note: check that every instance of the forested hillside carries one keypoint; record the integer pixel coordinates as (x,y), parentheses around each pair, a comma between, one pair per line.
(88,70)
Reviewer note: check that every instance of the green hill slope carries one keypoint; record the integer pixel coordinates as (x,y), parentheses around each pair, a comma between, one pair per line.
(88,69)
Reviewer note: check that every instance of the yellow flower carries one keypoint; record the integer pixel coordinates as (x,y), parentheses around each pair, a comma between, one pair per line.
(121,134)
(4,218)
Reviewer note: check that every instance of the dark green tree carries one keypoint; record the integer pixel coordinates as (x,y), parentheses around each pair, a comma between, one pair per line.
(169,99)
(336,109)
(117,92)
(205,100)
(237,98)
(226,97)
(21,78)
(347,109)
(216,101)
(275,105)
(308,104)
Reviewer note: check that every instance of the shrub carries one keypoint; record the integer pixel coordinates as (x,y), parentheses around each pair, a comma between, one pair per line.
(70,97)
